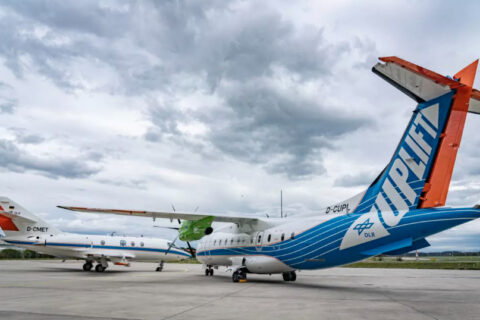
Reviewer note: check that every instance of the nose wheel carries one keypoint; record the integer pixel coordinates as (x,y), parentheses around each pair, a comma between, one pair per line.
(209,271)
(160,267)
(289,276)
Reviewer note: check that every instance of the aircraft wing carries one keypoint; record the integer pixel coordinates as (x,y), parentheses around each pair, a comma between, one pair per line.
(167,215)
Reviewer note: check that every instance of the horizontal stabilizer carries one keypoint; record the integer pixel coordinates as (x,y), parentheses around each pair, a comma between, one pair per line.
(389,247)
(420,83)
(417,245)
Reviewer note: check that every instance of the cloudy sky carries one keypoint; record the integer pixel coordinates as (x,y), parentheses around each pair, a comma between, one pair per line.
(216,104)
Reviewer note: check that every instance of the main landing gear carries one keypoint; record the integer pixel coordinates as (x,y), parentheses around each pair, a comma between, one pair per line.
(87,266)
(160,266)
(209,271)
(100,268)
(289,276)
(239,275)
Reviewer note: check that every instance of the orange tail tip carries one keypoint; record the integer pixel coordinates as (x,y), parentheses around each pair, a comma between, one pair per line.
(442,170)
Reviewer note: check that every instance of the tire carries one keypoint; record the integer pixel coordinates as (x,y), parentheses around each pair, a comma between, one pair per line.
(286,276)
(293,276)
(99,268)
(235,277)
(87,267)
(159,269)
(207,272)
(211,272)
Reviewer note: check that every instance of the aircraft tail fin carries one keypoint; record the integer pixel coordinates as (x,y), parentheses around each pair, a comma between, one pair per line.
(16,221)
(419,173)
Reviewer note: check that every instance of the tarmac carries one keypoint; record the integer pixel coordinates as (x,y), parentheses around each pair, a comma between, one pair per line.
(50,289)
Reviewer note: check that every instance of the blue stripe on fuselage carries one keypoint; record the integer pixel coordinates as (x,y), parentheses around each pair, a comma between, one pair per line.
(318,247)
(79,245)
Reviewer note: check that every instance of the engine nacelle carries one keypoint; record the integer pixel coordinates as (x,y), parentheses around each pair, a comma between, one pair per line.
(264,264)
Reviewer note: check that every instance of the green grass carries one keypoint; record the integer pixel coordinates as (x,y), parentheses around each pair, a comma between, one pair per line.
(452,263)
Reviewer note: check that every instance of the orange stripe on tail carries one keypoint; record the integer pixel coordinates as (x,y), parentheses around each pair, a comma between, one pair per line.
(6,223)
(442,170)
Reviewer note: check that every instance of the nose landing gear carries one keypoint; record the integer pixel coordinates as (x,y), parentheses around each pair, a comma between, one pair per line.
(160,267)
(209,271)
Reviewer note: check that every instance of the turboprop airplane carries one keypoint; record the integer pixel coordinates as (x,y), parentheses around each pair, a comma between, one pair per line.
(26,230)
(394,215)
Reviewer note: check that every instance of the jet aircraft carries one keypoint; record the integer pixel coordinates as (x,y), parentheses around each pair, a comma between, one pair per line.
(403,206)
(26,230)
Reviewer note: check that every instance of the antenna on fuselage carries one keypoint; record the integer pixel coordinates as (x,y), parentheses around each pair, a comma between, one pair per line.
(281,203)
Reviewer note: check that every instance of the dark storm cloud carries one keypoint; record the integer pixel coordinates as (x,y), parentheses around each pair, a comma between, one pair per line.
(233,50)
(14,159)
(279,129)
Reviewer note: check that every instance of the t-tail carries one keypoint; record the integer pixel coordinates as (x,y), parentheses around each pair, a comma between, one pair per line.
(419,173)
(17,222)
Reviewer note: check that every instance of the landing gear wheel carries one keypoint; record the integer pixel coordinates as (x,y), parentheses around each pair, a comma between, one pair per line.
(235,277)
(289,276)
(209,271)
(293,276)
(87,266)
(160,266)
(239,275)
(99,268)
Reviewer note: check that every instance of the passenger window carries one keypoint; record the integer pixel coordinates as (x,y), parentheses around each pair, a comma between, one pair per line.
(219,242)
(259,238)
(238,240)
(283,237)
(251,240)
(231,241)
(215,242)
(123,243)
(132,243)
(269,237)
(102,242)
(142,244)
(292,236)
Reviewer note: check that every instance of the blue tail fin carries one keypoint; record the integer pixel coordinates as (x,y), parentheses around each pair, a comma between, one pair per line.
(399,187)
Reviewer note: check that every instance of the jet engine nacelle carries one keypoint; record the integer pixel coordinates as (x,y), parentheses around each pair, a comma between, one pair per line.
(265,264)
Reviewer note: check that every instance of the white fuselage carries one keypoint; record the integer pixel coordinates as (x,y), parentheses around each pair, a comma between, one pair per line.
(92,247)
(232,240)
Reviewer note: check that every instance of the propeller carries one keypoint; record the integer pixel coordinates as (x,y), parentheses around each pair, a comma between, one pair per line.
(171,244)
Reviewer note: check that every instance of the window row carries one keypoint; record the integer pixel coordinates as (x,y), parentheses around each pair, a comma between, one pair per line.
(123,243)
(243,240)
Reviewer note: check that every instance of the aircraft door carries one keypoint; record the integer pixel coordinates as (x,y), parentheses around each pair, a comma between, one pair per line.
(259,240)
